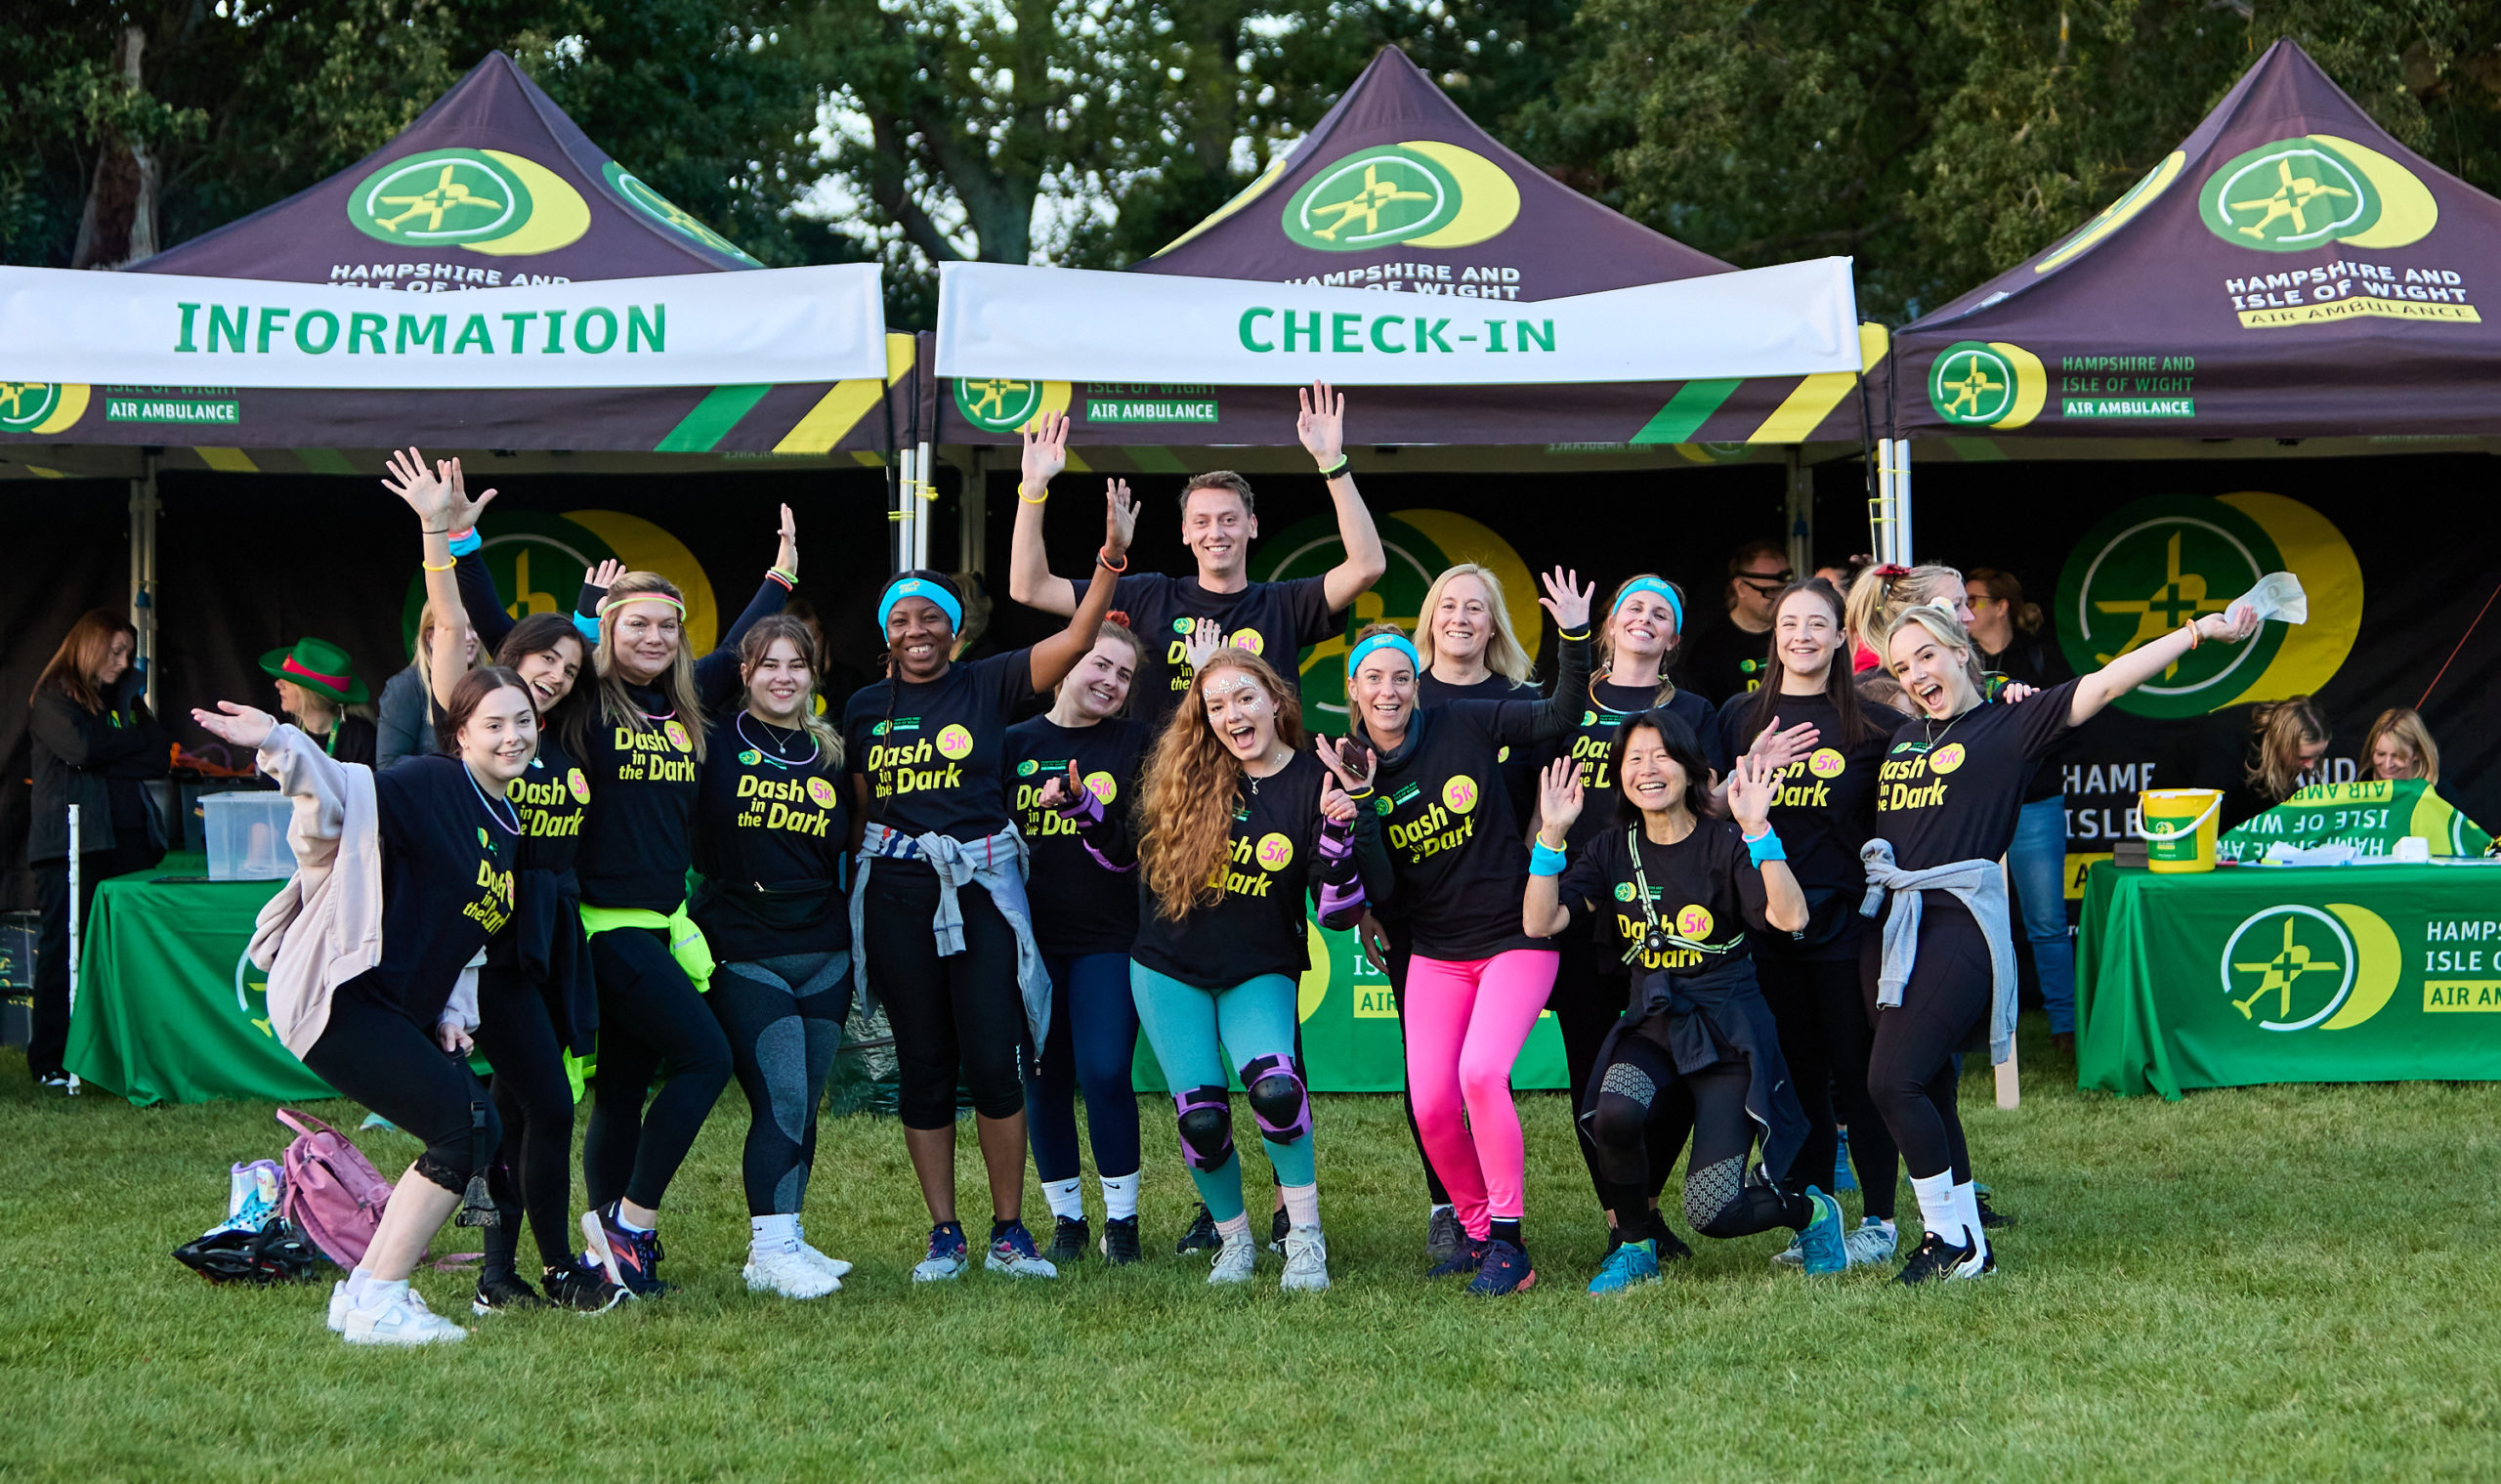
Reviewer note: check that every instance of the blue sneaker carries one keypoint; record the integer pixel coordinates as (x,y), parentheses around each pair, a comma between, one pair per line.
(1504,1270)
(630,1260)
(948,1256)
(1469,1257)
(1842,1178)
(1012,1251)
(1820,1246)
(1633,1264)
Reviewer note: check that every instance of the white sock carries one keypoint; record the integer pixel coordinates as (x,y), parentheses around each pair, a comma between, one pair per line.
(357,1282)
(1066,1198)
(628,1225)
(771,1234)
(1936,1207)
(1967,1209)
(1302,1204)
(1120,1196)
(1237,1227)
(379,1295)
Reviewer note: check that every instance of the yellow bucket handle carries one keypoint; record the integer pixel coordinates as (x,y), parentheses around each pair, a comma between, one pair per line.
(2144,832)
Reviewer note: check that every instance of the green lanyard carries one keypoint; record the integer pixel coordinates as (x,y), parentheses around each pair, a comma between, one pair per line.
(1657,938)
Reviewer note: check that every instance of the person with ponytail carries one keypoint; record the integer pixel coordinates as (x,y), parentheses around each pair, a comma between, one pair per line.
(942,935)
(536,1001)
(1882,592)
(771,831)
(1238,827)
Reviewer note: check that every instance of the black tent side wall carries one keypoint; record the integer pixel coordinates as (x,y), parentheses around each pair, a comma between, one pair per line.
(70,551)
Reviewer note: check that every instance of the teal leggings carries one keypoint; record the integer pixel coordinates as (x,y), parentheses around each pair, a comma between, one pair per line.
(1186,1024)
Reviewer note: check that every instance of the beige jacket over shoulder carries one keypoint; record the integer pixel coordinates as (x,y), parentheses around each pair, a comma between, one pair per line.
(324,926)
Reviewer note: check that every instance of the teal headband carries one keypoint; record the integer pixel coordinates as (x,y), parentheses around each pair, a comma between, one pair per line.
(1396,642)
(915,587)
(1675,604)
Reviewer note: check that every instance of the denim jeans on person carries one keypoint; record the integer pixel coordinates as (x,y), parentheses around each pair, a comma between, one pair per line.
(2038,863)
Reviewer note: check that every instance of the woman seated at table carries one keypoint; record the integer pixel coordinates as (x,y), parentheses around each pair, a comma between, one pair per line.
(2286,743)
(318,690)
(2400,746)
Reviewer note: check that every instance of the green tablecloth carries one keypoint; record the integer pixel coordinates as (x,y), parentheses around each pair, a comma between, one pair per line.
(2267,974)
(168,1009)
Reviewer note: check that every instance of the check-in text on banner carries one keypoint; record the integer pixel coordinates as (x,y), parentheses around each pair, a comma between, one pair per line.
(784,324)
(1072,325)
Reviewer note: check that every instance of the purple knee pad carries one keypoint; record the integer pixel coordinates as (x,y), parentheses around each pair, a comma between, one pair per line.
(1278,1099)
(1207,1126)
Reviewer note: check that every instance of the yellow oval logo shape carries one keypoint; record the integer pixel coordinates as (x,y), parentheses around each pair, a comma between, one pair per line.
(955,740)
(1103,787)
(1273,852)
(1694,923)
(1945,759)
(1826,763)
(1459,793)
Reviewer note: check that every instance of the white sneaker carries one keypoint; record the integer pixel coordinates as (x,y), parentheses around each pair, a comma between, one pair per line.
(1872,1243)
(403,1321)
(1306,1261)
(787,1271)
(1235,1259)
(1792,1255)
(339,1307)
(833,1267)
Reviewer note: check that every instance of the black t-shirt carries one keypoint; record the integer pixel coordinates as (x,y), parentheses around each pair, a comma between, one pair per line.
(1459,854)
(1259,926)
(1704,889)
(771,832)
(931,751)
(1271,620)
(1724,661)
(1951,790)
(1592,742)
(1518,765)
(635,847)
(1824,812)
(552,798)
(447,880)
(2034,661)
(1080,905)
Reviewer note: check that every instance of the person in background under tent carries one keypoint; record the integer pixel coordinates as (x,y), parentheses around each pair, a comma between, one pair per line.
(2256,765)
(2400,746)
(403,721)
(1725,659)
(318,689)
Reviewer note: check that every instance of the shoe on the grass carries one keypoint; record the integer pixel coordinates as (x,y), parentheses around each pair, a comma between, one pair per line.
(1842,1178)
(339,1306)
(1120,1242)
(403,1321)
(784,1270)
(1990,1217)
(1235,1258)
(835,1267)
(502,1293)
(1630,1265)
(1279,1226)
(1012,1253)
(1821,1248)
(1872,1241)
(1463,1262)
(1443,1235)
(949,1254)
(1306,1261)
(1202,1237)
(52,1082)
(1791,1256)
(1939,1261)
(631,1259)
(1070,1238)
(583,1286)
(1505,1270)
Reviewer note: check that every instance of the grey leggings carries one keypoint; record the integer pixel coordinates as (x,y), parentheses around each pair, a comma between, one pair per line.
(784,1019)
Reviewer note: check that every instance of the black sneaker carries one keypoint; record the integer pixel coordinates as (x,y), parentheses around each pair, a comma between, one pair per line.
(1070,1238)
(1938,1261)
(1990,1218)
(1200,1237)
(1120,1241)
(503,1292)
(1277,1225)
(1443,1235)
(1672,1248)
(582,1286)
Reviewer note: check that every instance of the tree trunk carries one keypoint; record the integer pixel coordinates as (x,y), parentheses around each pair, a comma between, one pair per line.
(118,223)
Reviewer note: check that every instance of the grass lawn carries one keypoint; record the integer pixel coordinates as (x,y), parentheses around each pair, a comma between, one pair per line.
(2283,1282)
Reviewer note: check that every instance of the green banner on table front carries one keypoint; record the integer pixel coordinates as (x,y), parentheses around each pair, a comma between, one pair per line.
(169,1012)
(2281,974)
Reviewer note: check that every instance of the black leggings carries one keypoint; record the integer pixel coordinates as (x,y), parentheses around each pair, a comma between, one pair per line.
(1640,1082)
(533,1172)
(651,1022)
(379,1057)
(1586,1003)
(784,1019)
(1910,1069)
(960,1014)
(1824,1036)
(1433,1189)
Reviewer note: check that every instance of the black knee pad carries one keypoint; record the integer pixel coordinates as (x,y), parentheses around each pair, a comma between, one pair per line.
(1207,1126)
(1278,1099)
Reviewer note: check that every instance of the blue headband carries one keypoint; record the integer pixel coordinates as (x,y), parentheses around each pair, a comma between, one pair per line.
(1396,642)
(1675,605)
(915,587)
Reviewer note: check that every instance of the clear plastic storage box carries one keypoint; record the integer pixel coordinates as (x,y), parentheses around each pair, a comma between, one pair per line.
(246,834)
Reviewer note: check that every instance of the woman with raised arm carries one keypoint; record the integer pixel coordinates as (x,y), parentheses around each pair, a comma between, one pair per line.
(1473,985)
(1683,895)
(1947,800)
(940,928)
(372,990)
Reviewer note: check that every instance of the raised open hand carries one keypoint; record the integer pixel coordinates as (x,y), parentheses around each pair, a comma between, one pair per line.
(1119,518)
(1750,793)
(1559,800)
(407,475)
(1044,454)
(1322,424)
(464,511)
(1200,644)
(1566,599)
(1774,749)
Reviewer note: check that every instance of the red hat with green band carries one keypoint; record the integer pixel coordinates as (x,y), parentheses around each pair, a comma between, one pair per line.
(321,667)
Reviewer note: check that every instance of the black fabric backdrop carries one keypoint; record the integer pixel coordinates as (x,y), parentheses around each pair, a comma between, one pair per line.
(74,554)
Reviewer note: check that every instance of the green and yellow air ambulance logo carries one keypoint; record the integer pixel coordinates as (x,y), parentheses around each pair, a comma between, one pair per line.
(1987,384)
(2314,190)
(642,198)
(1420,544)
(2296,967)
(1417,193)
(41,407)
(2158,562)
(1009,403)
(537,560)
(485,200)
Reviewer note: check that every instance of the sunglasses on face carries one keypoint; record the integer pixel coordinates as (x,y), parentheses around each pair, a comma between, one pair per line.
(1767,583)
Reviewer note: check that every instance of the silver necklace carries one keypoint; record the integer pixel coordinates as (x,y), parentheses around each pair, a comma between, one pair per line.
(773,754)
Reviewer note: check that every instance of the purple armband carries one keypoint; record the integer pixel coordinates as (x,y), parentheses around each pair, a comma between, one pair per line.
(1338,901)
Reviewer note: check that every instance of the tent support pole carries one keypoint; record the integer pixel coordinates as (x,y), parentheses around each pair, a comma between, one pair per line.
(900,515)
(1902,499)
(144,507)
(1880,507)
(1801,514)
(920,510)
(972,516)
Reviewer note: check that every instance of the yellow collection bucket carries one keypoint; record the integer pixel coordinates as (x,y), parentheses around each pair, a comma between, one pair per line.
(2179,827)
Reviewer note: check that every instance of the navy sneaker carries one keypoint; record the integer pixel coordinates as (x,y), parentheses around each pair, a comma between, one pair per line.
(1469,1257)
(949,1254)
(1505,1270)
(1012,1251)
(632,1258)
(1200,1237)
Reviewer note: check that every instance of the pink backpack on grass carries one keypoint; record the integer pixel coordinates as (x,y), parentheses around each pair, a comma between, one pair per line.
(333,1195)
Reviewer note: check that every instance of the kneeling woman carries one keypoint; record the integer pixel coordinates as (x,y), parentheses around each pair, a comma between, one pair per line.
(1684,890)
(370,991)
(1238,827)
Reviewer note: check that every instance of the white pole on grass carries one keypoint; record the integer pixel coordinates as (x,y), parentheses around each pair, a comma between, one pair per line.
(74,853)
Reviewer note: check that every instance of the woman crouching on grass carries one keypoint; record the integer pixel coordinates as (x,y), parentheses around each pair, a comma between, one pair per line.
(370,991)
(1239,825)
(1684,890)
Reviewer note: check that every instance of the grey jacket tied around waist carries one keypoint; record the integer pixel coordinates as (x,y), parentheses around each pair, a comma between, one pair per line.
(996,865)
(1980,886)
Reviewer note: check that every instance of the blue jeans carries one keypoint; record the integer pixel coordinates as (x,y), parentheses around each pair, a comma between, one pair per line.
(1091,1045)
(2038,863)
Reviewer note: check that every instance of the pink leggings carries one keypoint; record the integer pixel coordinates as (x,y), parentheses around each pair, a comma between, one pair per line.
(1465,1025)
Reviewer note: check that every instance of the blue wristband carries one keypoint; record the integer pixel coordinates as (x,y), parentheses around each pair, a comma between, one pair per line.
(1766,847)
(1545,860)
(467,542)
